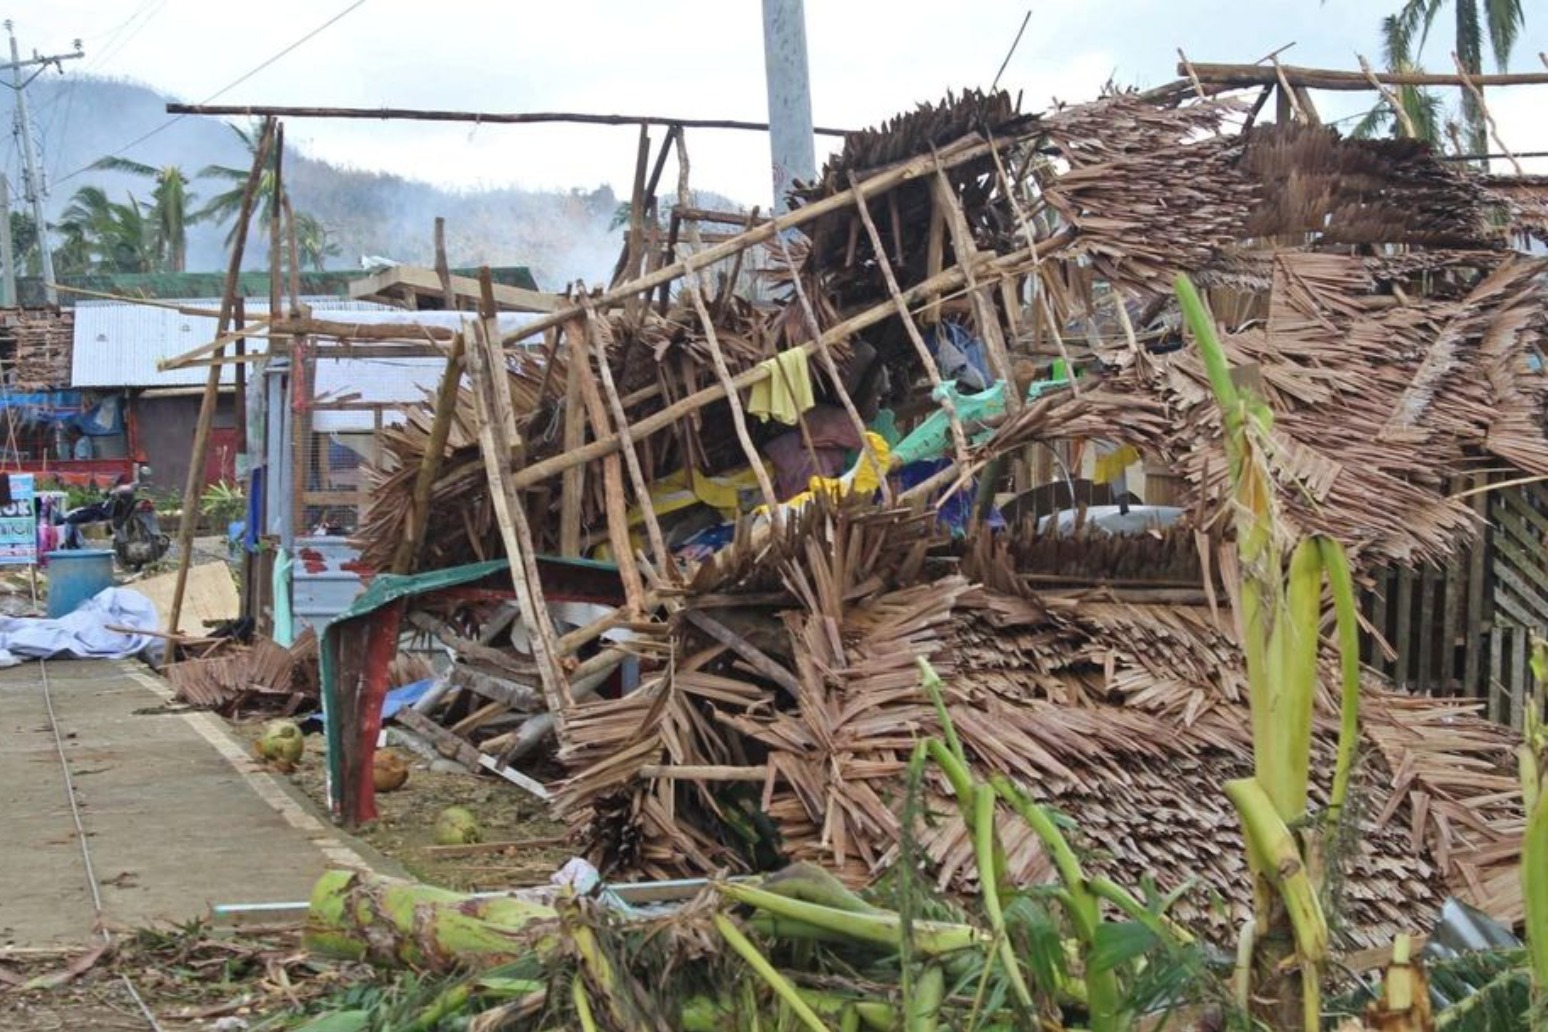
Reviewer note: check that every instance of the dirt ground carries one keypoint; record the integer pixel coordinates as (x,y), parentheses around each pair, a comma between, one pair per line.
(534,842)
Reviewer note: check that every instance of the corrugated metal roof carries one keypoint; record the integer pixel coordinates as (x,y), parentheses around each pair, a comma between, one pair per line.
(118,344)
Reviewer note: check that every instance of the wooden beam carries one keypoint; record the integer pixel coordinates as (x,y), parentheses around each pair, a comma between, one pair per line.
(951,279)
(491,393)
(957,153)
(428,282)
(1329,79)
(403,560)
(211,397)
(480,117)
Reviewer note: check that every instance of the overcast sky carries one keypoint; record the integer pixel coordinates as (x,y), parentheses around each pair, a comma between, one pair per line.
(686,58)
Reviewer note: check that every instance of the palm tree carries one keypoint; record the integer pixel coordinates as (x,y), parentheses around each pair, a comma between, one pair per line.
(1500,21)
(1423,107)
(103,234)
(228,204)
(314,242)
(171,209)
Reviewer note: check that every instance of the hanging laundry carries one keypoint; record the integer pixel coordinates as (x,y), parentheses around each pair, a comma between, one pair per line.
(786,392)
(960,356)
(820,447)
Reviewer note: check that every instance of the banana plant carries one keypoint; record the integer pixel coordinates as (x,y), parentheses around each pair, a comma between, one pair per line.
(1279,621)
(1533,757)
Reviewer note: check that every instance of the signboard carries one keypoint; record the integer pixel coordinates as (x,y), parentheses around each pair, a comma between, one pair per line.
(19,523)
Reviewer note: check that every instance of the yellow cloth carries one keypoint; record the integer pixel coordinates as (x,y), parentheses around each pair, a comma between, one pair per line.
(683,488)
(786,392)
(1110,467)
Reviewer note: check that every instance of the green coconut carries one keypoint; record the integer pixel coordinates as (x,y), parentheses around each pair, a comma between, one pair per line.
(456,827)
(282,742)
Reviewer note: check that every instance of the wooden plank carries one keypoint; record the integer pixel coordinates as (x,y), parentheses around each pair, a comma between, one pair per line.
(523,698)
(1453,634)
(689,772)
(616,506)
(1518,677)
(446,743)
(1477,617)
(1425,638)
(1508,606)
(1515,500)
(1403,640)
(573,485)
(1530,603)
(745,649)
(1497,693)
(428,282)
(1379,615)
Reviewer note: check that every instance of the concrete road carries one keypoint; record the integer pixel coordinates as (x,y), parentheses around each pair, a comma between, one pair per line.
(177,816)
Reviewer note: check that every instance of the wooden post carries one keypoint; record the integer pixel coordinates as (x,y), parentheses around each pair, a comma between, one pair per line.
(443,267)
(1478,621)
(694,289)
(612,473)
(630,454)
(211,398)
(404,560)
(933,371)
(986,314)
(573,488)
(491,393)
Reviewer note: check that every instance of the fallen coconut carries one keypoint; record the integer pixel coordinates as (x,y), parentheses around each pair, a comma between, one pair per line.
(281,743)
(456,827)
(389,770)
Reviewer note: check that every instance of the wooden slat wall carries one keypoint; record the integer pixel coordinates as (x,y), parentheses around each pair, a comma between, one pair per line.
(1465,629)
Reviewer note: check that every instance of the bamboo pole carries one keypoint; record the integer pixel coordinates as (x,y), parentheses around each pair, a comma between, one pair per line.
(933,371)
(617,509)
(1398,110)
(987,315)
(630,452)
(573,488)
(479,117)
(1471,82)
(404,559)
(951,279)
(211,398)
(491,393)
(693,287)
(957,153)
(1328,79)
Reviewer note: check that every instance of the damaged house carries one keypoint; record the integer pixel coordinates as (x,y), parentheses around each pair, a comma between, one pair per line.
(698,541)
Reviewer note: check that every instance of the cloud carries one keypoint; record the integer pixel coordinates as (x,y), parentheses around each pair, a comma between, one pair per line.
(689,58)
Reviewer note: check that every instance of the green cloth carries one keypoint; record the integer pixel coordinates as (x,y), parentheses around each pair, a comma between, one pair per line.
(932,438)
(786,392)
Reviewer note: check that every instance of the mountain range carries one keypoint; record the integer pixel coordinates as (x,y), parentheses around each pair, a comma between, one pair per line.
(561,235)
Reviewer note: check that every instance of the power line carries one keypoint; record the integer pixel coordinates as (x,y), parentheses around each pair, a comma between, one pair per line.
(220,92)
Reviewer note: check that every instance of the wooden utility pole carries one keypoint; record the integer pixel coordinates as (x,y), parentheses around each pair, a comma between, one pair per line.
(207,405)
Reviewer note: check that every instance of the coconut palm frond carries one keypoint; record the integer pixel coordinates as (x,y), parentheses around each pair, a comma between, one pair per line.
(1505,20)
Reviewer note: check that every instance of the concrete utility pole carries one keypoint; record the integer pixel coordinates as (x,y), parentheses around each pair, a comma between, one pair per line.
(791,145)
(7,261)
(32,183)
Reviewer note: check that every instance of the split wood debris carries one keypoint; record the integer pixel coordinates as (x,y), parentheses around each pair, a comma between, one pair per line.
(743,688)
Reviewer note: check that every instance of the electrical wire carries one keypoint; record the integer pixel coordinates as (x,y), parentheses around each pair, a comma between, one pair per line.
(223,90)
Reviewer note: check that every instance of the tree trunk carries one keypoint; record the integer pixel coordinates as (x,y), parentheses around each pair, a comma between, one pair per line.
(389,922)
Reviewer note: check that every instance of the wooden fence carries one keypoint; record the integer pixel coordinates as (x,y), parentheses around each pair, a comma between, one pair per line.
(1465,629)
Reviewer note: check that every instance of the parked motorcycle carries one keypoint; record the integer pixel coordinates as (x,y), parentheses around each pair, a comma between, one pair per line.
(137,536)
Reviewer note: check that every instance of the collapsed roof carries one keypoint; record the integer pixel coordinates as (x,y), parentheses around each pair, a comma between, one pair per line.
(1367,286)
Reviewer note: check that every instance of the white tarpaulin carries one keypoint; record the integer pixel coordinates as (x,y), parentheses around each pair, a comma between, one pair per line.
(84,633)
